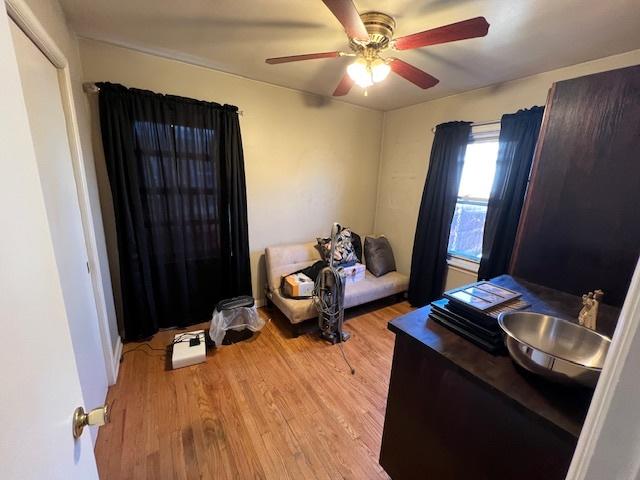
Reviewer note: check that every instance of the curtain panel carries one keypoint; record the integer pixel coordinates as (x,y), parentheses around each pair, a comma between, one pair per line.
(176,171)
(429,258)
(518,137)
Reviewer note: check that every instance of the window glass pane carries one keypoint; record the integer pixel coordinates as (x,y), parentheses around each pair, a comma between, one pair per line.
(479,169)
(467,227)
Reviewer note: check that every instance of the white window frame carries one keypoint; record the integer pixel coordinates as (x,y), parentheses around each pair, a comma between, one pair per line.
(485,132)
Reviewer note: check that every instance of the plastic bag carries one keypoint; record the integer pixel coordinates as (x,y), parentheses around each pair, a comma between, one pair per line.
(236,319)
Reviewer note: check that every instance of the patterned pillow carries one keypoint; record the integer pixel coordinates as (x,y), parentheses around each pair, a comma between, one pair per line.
(344,253)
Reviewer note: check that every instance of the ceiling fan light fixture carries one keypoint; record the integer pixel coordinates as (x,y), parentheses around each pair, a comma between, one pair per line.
(379,70)
(360,73)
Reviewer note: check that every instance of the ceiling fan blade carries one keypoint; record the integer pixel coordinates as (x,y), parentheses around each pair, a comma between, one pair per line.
(413,74)
(346,13)
(472,28)
(344,86)
(297,58)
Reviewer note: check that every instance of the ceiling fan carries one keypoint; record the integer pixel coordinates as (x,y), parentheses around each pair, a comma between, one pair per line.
(371,34)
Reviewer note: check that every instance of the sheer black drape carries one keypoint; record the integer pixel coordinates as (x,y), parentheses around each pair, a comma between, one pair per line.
(518,136)
(429,259)
(176,171)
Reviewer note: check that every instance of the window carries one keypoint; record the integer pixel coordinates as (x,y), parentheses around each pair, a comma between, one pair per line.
(467,226)
(180,186)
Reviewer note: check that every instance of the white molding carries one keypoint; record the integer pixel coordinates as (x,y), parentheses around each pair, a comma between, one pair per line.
(87,220)
(24,17)
(117,354)
(485,131)
(467,266)
(627,333)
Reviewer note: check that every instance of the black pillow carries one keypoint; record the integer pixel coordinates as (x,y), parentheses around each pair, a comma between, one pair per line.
(379,256)
(311,272)
(356,241)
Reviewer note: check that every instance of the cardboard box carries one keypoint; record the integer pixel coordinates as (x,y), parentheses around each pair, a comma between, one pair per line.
(298,285)
(353,274)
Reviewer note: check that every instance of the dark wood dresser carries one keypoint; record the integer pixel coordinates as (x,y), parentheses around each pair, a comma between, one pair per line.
(457,412)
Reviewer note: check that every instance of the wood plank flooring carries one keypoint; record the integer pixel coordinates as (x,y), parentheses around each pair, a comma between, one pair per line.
(272,407)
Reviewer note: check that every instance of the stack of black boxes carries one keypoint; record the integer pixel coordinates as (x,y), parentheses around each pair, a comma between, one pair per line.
(479,328)
(472,312)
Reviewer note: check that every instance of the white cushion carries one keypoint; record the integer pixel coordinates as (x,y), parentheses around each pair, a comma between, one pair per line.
(367,290)
(285,259)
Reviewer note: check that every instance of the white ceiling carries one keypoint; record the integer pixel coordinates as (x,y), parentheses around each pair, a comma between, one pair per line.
(525,37)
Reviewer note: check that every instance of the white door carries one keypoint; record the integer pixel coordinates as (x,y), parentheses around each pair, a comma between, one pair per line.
(43,99)
(40,382)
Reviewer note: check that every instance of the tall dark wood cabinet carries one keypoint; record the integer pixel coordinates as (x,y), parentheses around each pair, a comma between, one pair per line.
(580,226)
(455,411)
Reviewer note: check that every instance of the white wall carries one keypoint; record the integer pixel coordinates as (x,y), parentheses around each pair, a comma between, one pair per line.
(309,160)
(407,140)
(294,142)
(50,15)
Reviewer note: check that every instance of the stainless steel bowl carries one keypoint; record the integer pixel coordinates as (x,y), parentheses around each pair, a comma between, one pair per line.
(554,348)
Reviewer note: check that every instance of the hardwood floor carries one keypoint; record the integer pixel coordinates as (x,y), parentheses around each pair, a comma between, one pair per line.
(271,407)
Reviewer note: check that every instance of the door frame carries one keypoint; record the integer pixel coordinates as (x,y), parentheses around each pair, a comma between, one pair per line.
(24,17)
(608,441)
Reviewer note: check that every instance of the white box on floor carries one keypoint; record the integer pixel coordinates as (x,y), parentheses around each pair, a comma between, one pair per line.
(185,354)
(354,273)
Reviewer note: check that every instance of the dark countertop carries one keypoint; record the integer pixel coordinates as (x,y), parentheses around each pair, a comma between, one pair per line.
(563,406)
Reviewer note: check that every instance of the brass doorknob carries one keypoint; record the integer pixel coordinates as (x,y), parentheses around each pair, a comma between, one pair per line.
(95,418)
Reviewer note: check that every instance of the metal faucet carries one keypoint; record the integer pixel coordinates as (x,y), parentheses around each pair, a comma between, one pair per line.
(588,316)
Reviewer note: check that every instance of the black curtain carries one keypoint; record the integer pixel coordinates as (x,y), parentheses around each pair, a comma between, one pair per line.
(176,171)
(518,136)
(429,259)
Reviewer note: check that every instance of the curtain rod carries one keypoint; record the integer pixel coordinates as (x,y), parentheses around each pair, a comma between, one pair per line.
(91,88)
(474,124)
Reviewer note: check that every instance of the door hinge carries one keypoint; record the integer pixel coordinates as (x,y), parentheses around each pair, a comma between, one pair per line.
(88,268)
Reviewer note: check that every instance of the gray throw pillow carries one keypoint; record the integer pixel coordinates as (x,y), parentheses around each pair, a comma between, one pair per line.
(379,256)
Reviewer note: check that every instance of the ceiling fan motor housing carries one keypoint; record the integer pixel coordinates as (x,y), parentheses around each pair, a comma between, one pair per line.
(380,27)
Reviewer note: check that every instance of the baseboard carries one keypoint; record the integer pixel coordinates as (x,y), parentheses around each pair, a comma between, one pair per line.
(260,302)
(117,353)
